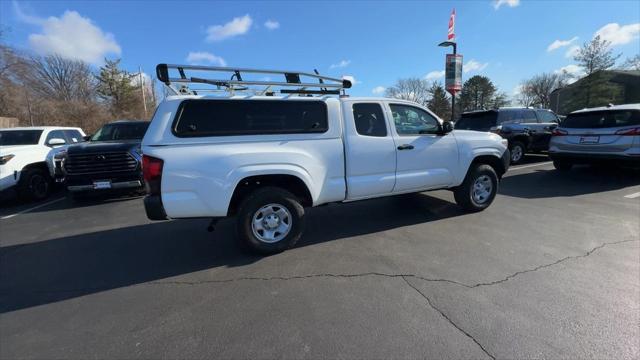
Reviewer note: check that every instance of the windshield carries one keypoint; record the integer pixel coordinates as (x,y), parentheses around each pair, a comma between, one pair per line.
(602,119)
(479,121)
(19,137)
(121,131)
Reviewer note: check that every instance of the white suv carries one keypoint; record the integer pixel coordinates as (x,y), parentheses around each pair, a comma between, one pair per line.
(609,134)
(25,163)
(265,158)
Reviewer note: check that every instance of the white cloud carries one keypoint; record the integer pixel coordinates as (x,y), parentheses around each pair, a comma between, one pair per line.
(271,24)
(473,65)
(619,35)
(574,71)
(203,57)
(70,35)
(434,75)
(235,27)
(341,64)
(572,51)
(561,43)
(352,79)
(517,90)
(378,90)
(510,3)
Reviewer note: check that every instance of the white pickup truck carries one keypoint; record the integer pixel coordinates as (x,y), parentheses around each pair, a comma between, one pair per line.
(27,157)
(264,158)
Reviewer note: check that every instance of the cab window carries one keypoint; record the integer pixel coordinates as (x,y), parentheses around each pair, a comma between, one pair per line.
(410,120)
(369,119)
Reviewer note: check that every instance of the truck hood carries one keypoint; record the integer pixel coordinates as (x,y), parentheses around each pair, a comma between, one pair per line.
(480,139)
(91,147)
(19,149)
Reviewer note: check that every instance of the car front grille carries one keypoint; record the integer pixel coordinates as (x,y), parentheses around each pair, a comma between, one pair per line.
(107,162)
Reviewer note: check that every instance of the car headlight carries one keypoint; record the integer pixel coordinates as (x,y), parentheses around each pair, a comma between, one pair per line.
(60,155)
(5,158)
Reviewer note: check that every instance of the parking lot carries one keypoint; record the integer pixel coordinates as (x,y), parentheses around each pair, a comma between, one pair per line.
(550,270)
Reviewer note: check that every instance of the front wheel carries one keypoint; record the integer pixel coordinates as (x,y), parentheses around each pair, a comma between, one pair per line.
(270,221)
(35,184)
(478,190)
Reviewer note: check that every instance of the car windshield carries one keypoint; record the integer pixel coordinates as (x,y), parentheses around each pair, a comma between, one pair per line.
(602,119)
(480,121)
(19,137)
(121,131)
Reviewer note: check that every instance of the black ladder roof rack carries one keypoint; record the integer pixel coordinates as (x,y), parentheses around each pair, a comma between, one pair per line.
(238,80)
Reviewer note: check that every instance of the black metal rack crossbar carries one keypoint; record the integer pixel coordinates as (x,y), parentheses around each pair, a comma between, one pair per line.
(292,83)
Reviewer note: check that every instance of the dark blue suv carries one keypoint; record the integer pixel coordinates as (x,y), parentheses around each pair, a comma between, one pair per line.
(526,129)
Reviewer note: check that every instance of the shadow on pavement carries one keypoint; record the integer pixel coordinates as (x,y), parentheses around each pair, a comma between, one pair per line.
(580,180)
(58,269)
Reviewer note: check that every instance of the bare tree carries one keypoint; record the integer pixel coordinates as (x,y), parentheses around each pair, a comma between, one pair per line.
(538,89)
(58,78)
(632,63)
(412,89)
(596,55)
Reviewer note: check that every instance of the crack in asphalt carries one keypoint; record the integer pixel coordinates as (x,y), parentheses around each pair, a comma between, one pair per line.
(6,292)
(329,275)
(448,318)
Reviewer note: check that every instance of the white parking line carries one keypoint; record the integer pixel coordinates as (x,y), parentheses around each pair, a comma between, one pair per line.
(531,165)
(31,209)
(633,196)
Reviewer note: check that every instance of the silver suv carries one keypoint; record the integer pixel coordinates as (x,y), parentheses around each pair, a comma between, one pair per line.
(604,134)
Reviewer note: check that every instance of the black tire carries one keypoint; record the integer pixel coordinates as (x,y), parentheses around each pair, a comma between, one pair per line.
(562,165)
(35,184)
(518,150)
(464,194)
(261,199)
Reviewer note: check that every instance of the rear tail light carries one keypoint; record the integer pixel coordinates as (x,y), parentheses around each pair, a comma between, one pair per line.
(559,132)
(629,132)
(152,173)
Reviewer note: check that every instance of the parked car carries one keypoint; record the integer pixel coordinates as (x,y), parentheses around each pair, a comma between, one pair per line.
(264,159)
(526,129)
(609,134)
(109,160)
(24,162)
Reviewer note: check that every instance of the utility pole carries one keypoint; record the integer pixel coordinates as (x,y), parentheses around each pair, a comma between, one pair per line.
(144,101)
(453,65)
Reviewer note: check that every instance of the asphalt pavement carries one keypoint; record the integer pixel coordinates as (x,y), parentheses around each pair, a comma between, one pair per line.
(550,270)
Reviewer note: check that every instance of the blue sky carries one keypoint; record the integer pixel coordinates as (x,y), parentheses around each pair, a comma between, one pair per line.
(376,42)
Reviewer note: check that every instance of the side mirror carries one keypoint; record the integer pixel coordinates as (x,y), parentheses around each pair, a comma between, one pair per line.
(86,137)
(447,127)
(56,142)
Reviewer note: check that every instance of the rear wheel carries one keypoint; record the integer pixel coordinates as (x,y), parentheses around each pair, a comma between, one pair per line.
(479,188)
(562,165)
(270,220)
(35,184)
(517,149)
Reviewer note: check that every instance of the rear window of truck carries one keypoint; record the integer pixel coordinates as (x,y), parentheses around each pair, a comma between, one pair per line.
(208,117)
(602,119)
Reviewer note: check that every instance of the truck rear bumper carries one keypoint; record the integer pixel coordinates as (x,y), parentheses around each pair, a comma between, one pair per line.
(588,158)
(154,208)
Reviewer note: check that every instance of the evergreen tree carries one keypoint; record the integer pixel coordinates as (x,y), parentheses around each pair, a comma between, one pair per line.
(439,103)
(115,87)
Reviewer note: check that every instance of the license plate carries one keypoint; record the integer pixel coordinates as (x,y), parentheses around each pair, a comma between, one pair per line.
(102,185)
(589,139)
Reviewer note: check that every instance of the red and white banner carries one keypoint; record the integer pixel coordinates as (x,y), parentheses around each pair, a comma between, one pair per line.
(451,35)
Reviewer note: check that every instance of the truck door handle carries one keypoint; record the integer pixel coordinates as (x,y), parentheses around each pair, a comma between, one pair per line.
(405,147)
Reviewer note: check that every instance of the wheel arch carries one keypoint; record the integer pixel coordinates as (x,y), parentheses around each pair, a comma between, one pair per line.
(290,182)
